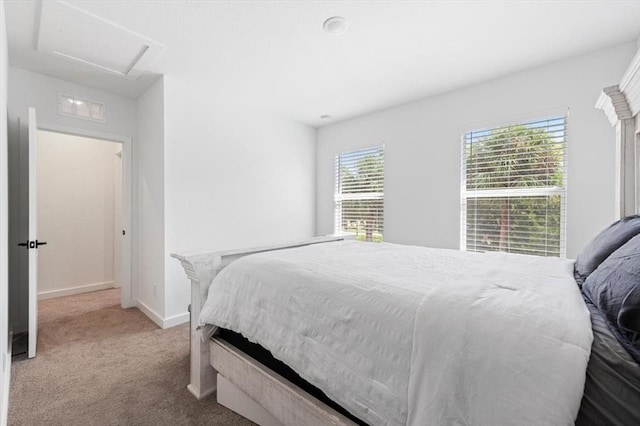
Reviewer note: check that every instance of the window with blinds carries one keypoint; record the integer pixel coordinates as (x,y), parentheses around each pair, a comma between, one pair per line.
(514,188)
(359,193)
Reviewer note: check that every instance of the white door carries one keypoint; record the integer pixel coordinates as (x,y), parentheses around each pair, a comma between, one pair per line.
(33,242)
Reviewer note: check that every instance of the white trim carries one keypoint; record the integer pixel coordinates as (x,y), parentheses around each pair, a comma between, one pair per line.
(128,270)
(153,315)
(33,232)
(614,104)
(540,115)
(360,196)
(175,320)
(630,73)
(513,192)
(51,127)
(52,294)
(159,320)
(6,382)
(605,104)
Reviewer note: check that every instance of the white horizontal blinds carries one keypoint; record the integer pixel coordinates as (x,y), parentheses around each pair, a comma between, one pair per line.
(514,188)
(359,193)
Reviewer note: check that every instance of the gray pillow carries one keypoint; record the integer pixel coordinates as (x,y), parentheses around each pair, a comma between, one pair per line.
(614,288)
(629,316)
(605,243)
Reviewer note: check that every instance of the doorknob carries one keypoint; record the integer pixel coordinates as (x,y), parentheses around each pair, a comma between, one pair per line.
(33,244)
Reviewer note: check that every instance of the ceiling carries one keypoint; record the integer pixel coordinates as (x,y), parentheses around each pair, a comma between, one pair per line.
(274,55)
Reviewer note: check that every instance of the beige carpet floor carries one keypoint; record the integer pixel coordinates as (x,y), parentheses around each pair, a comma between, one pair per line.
(99,364)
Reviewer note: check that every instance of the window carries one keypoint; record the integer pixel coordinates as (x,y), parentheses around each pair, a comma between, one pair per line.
(359,193)
(514,188)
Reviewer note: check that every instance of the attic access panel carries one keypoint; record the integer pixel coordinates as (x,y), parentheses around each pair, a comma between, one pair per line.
(73,34)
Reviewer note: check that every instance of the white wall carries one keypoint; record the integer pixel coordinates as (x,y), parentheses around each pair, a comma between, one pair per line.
(76,214)
(5,357)
(422,148)
(28,89)
(151,200)
(234,177)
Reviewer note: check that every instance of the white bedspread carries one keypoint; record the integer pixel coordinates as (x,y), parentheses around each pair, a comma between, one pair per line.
(410,335)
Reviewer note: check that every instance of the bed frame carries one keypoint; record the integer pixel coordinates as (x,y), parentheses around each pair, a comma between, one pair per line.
(259,394)
(243,384)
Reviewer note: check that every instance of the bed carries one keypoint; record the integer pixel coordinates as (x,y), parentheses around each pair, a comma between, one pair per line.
(473,358)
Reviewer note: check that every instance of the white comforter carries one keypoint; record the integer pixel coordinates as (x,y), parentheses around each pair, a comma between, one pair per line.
(410,335)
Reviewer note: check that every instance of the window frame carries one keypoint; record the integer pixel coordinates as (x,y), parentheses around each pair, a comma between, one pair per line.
(339,197)
(561,191)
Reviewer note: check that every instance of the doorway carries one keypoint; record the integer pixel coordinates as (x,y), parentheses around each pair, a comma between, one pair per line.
(122,224)
(27,195)
(79,214)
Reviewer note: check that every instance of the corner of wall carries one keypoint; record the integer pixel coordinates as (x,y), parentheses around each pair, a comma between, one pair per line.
(316,231)
(5,345)
(150,195)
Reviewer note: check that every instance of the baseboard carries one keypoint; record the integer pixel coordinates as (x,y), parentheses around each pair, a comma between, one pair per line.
(159,320)
(176,320)
(75,290)
(6,381)
(153,316)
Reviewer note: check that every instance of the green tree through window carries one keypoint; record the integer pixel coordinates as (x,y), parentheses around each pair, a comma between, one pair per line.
(514,188)
(359,194)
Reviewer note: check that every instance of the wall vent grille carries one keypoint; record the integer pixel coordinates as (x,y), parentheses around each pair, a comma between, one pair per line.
(85,109)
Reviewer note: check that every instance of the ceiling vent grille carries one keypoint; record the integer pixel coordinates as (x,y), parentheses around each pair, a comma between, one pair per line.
(73,34)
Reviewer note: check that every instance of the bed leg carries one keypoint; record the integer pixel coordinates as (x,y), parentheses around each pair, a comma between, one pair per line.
(203,376)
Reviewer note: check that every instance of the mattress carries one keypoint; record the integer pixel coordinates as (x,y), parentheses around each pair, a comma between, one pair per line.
(409,335)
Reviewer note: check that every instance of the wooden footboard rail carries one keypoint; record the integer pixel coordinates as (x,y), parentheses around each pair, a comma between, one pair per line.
(201,269)
(286,402)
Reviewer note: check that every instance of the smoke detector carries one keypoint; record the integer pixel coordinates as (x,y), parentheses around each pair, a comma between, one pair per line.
(335,25)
